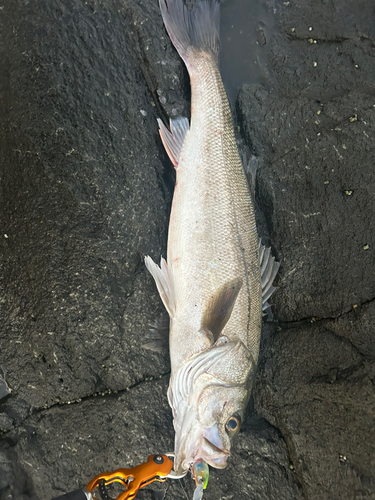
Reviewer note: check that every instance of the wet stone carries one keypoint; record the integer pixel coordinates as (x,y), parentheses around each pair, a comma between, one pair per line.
(85,192)
(323,403)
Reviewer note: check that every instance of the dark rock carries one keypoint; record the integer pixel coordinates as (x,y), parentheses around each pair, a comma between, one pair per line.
(85,192)
(312,129)
(66,446)
(4,389)
(358,327)
(83,201)
(317,388)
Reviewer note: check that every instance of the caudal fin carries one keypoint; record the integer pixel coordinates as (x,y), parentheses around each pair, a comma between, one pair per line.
(195,30)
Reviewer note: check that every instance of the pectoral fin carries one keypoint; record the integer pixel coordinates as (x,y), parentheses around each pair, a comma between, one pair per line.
(220,307)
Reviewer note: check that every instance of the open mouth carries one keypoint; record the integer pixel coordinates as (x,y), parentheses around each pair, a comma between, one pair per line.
(220,451)
(212,440)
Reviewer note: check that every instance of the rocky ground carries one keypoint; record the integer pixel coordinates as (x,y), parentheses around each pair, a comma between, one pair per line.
(85,193)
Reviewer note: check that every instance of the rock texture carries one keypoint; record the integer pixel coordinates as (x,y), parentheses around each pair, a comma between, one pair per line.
(85,192)
(311,129)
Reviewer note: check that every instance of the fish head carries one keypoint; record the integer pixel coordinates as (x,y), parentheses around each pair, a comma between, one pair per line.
(220,414)
(209,396)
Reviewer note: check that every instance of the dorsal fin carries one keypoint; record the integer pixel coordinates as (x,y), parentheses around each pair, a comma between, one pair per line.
(164,283)
(173,140)
(268,271)
(220,307)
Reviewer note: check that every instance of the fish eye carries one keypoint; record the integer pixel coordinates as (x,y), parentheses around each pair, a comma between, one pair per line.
(233,424)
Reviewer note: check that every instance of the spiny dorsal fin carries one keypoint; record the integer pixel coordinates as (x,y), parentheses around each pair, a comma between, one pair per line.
(157,336)
(163,282)
(220,307)
(173,140)
(268,271)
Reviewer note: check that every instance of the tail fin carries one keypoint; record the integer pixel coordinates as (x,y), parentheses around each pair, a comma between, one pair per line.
(192,30)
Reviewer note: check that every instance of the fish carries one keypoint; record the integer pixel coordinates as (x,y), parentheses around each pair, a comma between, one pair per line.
(218,276)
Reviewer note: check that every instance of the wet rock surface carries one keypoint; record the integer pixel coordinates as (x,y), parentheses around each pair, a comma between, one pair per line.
(85,193)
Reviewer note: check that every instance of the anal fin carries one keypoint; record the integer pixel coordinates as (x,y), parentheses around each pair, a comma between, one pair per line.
(173,140)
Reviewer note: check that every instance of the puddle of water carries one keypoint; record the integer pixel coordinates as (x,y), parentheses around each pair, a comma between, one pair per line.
(246,29)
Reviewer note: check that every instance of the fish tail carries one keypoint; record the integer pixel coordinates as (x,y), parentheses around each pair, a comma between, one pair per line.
(192,31)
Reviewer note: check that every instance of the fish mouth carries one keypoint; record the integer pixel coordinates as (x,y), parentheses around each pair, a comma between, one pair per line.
(213,455)
(213,450)
(218,463)
(205,445)
(212,437)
